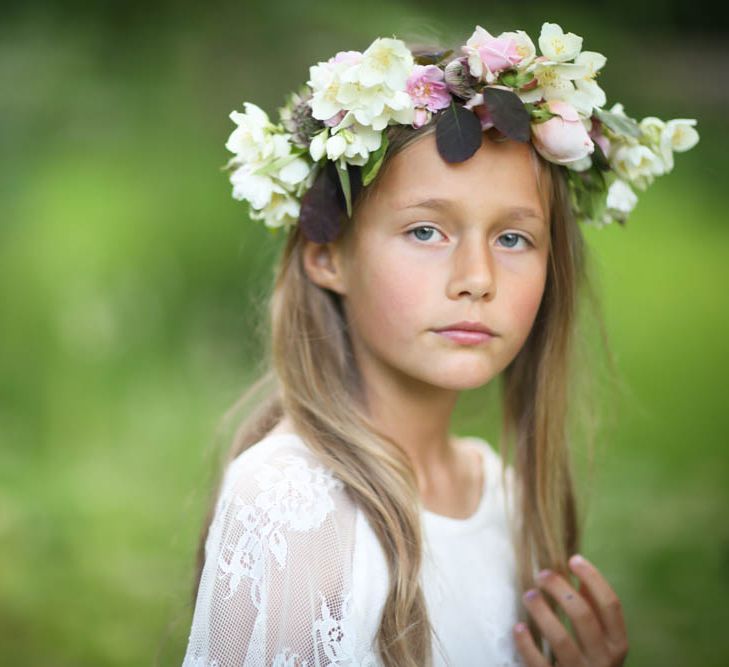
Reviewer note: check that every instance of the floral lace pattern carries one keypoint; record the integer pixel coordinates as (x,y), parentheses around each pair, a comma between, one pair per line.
(293,498)
(247,552)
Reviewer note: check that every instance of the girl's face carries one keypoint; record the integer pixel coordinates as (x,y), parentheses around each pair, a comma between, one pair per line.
(438,243)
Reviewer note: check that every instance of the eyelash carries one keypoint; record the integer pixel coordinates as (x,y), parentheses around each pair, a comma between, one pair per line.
(521,236)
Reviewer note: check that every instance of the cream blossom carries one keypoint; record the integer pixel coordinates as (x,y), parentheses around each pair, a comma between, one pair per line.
(282,211)
(255,139)
(589,94)
(637,164)
(369,87)
(620,199)
(558,46)
(325,82)
(679,135)
(386,61)
(355,143)
(555,81)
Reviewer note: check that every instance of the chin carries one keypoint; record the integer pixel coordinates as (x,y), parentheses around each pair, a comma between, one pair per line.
(460,377)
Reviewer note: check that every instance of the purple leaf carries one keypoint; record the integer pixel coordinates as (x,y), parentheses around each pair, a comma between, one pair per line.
(458,133)
(320,213)
(508,113)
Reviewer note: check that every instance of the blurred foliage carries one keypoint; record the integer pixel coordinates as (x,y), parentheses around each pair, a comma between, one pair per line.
(129,280)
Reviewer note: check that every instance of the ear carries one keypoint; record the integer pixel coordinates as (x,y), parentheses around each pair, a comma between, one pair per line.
(323,264)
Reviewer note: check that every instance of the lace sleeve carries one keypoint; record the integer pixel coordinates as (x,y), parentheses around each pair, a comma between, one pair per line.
(276,583)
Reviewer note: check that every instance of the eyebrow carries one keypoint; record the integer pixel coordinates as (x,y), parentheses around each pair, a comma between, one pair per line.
(512,213)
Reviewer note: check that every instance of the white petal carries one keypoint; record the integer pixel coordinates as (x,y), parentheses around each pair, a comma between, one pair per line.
(295,171)
(557,45)
(317,147)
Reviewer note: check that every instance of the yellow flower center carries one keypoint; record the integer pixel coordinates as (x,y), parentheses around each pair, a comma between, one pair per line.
(558,45)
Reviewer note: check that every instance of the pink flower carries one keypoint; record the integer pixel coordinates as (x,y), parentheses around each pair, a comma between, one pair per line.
(499,53)
(427,88)
(422,116)
(476,104)
(563,138)
(335,119)
(598,137)
(488,55)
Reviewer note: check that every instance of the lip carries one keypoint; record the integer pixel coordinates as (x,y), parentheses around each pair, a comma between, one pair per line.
(467,326)
(467,333)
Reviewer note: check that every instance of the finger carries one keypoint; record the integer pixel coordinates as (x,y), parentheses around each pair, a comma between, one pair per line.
(586,625)
(552,628)
(524,642)
(608,605)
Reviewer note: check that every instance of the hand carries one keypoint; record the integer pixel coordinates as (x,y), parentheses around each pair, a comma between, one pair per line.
(595,613)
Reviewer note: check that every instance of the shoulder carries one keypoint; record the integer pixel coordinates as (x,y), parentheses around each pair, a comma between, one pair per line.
(280,479)
(277,560)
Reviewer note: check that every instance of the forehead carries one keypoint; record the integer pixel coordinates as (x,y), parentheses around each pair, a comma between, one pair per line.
(499,176)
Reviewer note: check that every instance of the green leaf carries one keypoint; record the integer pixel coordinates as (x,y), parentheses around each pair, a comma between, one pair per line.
(375,161)
(540,114)
(281,162)
(432,58)
(515,79)
(619,124)
(344,181)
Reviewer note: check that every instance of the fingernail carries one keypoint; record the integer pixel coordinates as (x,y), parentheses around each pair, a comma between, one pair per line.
(543,574)
(577,560)
(520,627)
(531,594)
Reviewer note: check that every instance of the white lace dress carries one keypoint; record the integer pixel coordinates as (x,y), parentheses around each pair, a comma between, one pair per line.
(295,577)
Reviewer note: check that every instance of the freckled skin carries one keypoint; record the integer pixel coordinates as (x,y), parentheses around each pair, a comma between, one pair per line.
(397,287)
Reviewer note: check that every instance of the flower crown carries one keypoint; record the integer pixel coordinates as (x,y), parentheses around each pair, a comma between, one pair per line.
(330,140)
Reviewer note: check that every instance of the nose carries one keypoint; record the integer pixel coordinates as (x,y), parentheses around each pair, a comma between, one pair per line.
(472,272)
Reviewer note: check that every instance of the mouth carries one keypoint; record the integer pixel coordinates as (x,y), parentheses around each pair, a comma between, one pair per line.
(467,333)
(465,336)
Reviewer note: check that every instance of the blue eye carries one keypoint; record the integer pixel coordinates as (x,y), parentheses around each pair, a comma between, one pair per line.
(515,237)
(422,228)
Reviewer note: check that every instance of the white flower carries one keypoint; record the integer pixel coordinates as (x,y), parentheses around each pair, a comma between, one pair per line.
(282,211)
(386,61)
(637,164)
(354,142)
(651,129)
(371,89)
(555,82)
(677,135)
(318,145)
(589,94)
(557,45)
(325,81)
(254,188)
(294,172)
(620,198)
(266,173)
(255,139)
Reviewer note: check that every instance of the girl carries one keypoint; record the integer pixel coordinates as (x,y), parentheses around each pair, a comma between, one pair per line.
(351,527)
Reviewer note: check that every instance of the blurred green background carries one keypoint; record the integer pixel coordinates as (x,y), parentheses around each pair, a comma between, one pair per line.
(129,279)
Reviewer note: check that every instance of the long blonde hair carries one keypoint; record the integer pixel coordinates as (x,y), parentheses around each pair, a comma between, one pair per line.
(308,356)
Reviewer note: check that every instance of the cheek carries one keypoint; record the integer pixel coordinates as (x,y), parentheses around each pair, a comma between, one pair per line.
(522,299)
(393,294)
